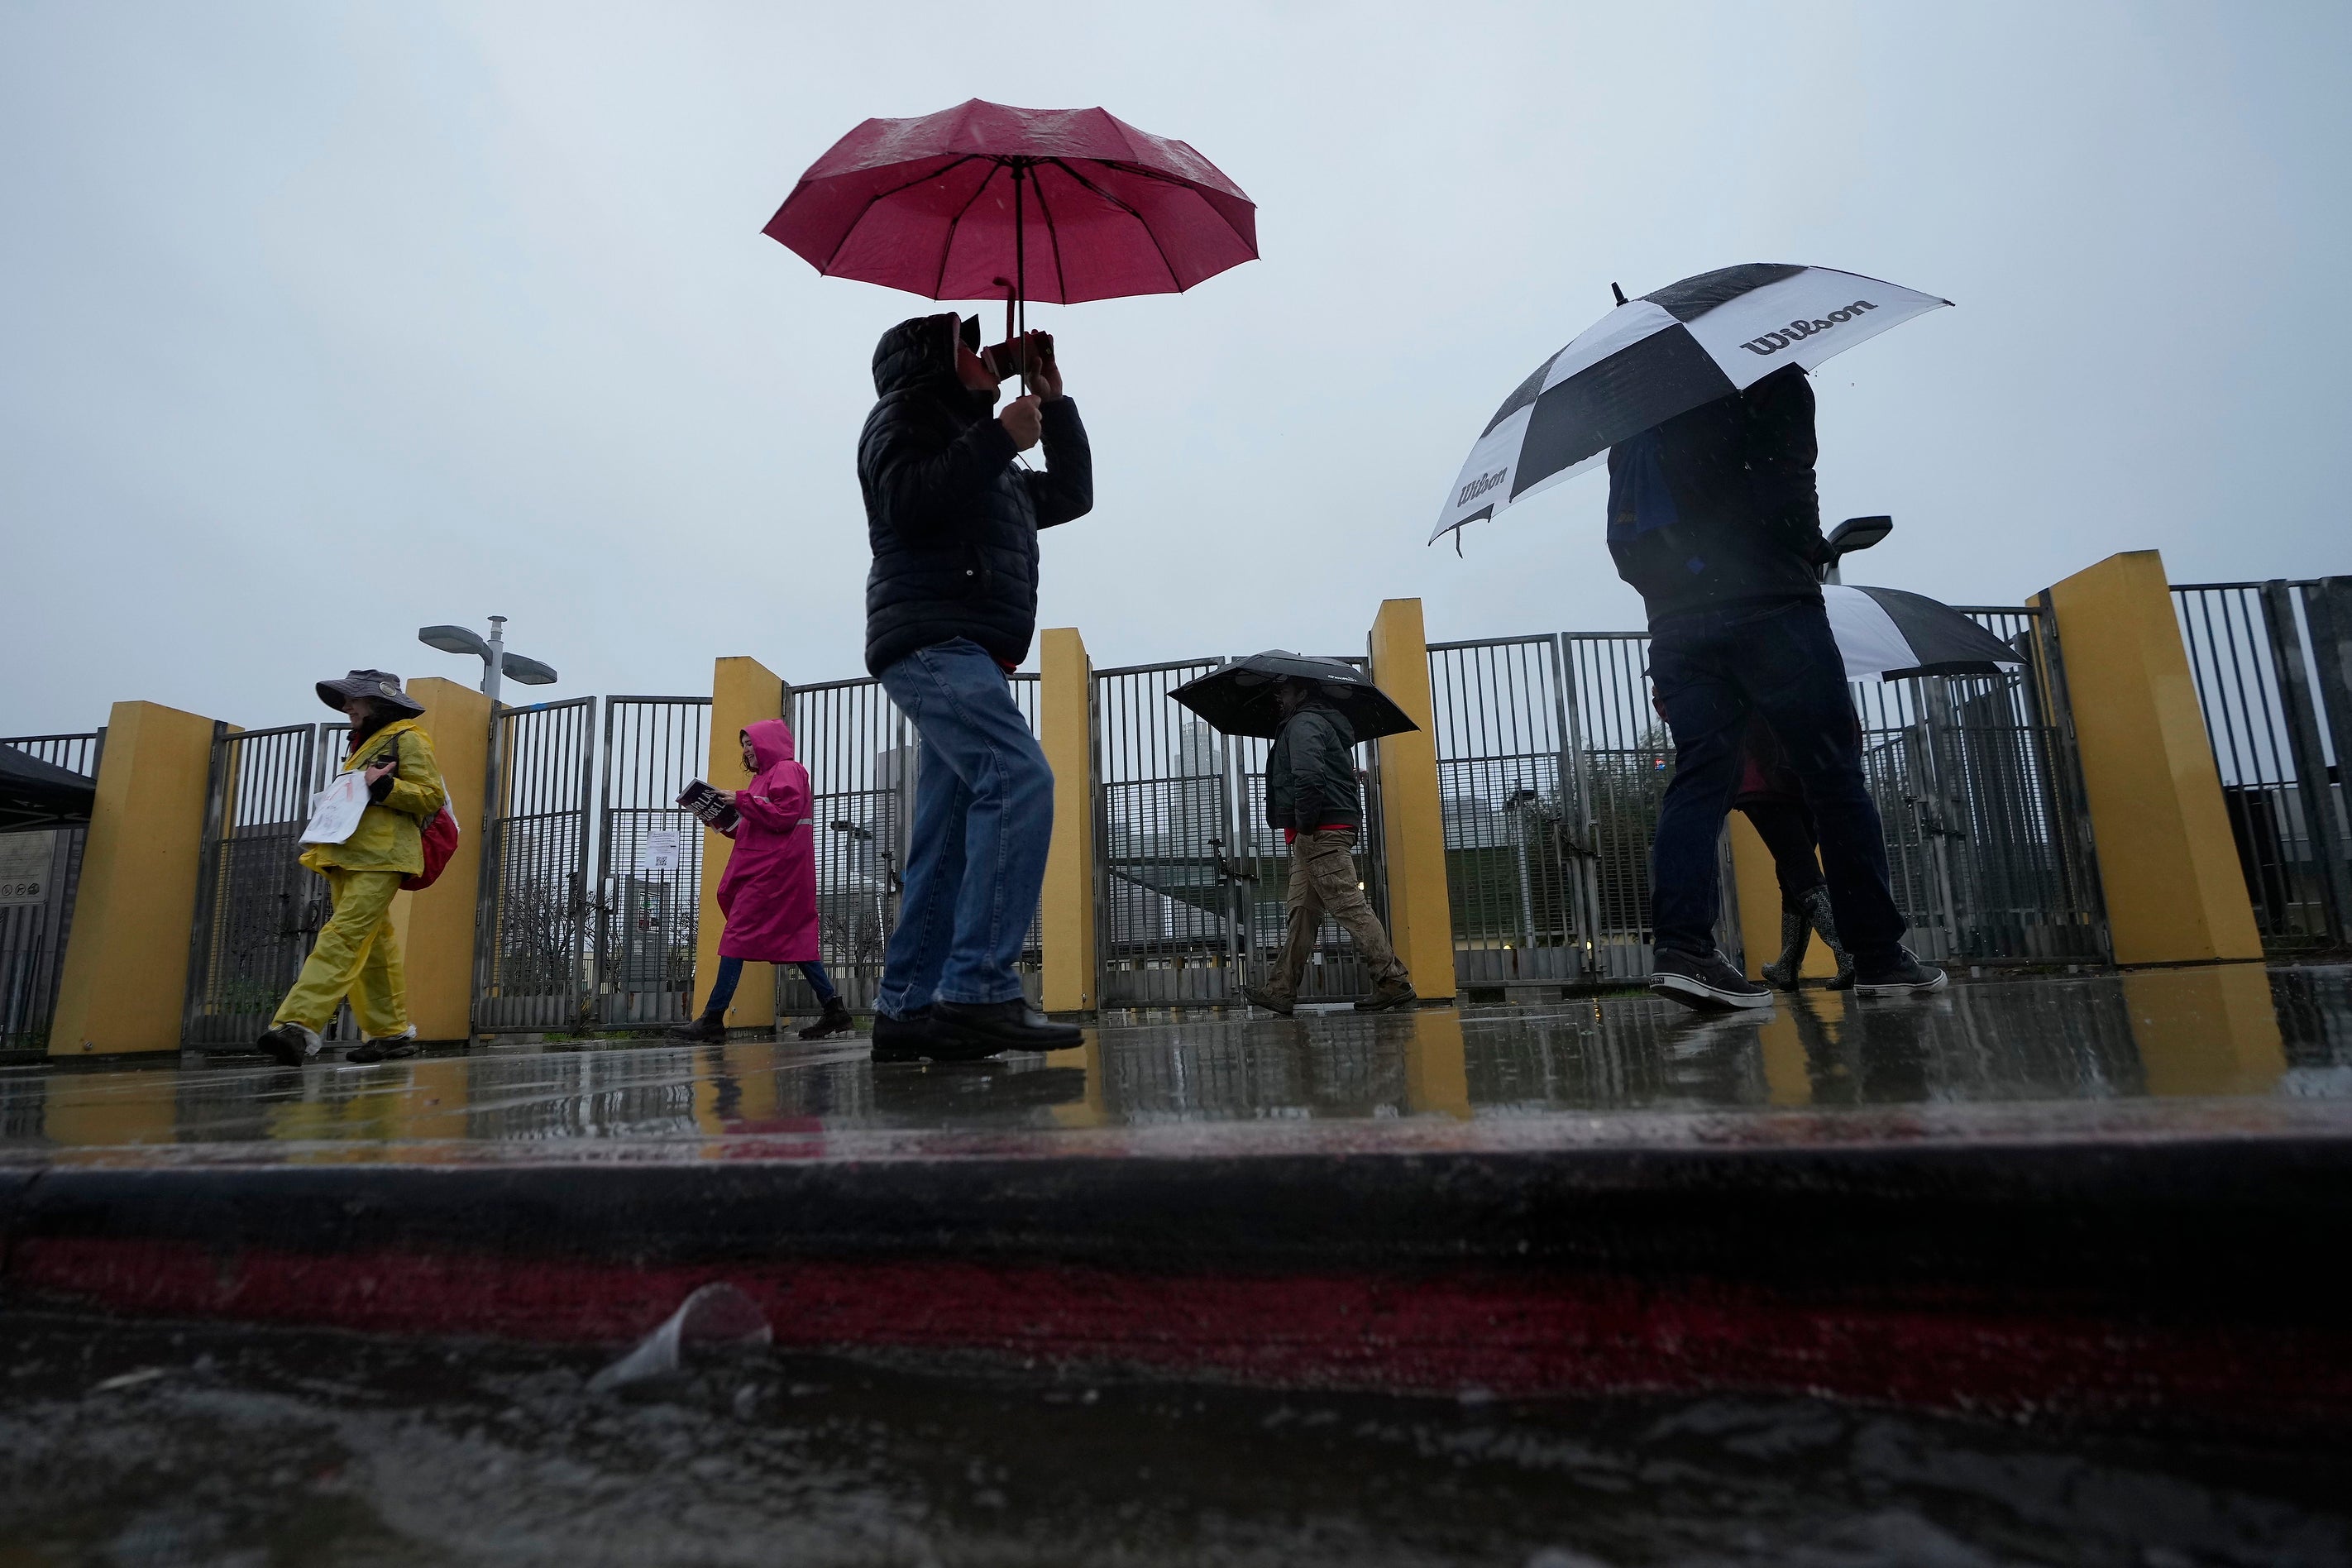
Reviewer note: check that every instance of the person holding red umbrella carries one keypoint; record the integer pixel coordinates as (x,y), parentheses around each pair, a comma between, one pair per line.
(951,609)
(1055,205)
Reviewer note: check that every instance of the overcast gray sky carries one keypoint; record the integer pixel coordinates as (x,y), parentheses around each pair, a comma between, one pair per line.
(319,322)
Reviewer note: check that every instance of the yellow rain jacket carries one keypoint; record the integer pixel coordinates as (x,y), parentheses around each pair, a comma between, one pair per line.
(390,834)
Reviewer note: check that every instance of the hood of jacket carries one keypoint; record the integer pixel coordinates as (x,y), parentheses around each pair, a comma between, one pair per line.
(771,741)
(918,354)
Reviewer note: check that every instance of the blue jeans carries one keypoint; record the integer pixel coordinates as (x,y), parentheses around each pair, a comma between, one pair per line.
(731,975)
(983,819)
(1711,667)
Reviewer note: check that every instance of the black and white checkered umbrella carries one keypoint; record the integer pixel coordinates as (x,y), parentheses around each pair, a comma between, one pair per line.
(1663,354)
(1886,633)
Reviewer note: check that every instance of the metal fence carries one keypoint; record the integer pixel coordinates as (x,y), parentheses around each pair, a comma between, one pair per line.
(2272,665)
(863,758)
(258,910)
(648,860)
(1192,880)
(532,958)
(41,872)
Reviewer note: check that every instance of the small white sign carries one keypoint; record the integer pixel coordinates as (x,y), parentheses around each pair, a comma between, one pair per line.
(24,861)
(661,850)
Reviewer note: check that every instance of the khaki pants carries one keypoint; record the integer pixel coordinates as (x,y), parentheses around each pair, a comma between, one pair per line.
(1323,878)
(357,956)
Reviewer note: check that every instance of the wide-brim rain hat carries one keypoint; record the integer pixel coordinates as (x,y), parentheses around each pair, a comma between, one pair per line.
(380,684)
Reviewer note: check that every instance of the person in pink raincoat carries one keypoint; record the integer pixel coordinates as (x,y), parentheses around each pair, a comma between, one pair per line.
(768,895)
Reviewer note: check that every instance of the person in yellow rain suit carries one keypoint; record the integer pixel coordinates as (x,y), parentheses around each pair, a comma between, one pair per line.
(357,954)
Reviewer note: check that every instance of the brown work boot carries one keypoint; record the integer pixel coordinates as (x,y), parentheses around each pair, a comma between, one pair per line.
(1388,994)
(1267,997)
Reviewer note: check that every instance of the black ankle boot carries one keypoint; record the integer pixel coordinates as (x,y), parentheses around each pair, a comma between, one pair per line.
(836,1021)
(710,1029)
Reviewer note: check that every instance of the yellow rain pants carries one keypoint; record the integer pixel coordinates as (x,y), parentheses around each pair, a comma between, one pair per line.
(358,956)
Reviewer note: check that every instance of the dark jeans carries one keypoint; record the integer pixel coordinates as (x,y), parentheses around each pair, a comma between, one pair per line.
(1712,668)
(1787,829)
(983,819)
(731,975)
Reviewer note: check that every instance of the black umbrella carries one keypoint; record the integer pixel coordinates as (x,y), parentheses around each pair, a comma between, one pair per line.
(1240,699)
(35,795)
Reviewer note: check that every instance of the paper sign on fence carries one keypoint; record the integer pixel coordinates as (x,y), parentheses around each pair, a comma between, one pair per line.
(336,810)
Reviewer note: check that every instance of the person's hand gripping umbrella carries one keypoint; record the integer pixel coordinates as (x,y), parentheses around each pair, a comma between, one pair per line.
(1058,205)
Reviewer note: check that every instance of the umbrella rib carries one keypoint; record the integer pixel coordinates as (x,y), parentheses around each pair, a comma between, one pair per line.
(878,199)
(1130,211)
(947,246)
(1054,238)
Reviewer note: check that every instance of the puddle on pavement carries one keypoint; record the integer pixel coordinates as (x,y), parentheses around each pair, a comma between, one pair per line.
(146,1444)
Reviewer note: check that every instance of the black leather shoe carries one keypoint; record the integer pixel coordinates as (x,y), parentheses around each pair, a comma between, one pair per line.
(907,1038)
(1012,1026)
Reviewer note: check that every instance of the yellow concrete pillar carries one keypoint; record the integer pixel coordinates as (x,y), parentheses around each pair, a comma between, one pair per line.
(126,975)
(1421,915)
(1066,729)
(2175,893)
(1760,907)
(741,690)
(436,926)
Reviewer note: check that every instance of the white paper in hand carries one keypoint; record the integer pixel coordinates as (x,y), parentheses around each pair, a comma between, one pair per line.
(336,810)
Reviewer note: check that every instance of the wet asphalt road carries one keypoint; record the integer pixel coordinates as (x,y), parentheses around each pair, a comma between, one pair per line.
(153,1445)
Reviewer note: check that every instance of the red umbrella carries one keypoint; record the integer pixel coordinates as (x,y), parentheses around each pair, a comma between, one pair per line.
(962,204)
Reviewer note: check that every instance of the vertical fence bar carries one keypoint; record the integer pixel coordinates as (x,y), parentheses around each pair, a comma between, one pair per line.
(2299,717)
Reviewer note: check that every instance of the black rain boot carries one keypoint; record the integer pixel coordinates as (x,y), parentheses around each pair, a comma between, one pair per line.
(1817,905)
(710,1029)
(836,1021)
(1796,935)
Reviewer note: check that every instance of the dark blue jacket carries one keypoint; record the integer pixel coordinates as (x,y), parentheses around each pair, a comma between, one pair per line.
(952,520)
(1718,506)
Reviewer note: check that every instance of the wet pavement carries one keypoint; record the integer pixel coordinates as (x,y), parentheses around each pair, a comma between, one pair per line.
(141,1444)
(2229,1049)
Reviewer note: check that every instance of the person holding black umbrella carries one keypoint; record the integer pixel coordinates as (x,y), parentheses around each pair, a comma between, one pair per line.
(1714,517)
(1312,795)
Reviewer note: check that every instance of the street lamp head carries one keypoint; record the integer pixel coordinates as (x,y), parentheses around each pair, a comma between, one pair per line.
(453,639)
(530,671)
(1859,533)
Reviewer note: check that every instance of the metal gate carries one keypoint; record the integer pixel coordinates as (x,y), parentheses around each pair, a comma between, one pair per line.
(532,961)
(1973,783)
(1623,755)
(2272,665)
(863,759)
(1520,870)
(42,869)
(258,910)
(1191,879)
(648,860)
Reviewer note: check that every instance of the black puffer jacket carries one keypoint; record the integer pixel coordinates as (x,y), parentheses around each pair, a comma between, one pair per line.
(1310,775)
(952,520)
(1717,506)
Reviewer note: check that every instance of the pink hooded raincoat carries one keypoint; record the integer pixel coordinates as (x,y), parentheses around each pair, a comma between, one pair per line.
(769,890)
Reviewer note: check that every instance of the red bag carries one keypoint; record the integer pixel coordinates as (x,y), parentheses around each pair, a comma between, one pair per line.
(440,838)
(440,841)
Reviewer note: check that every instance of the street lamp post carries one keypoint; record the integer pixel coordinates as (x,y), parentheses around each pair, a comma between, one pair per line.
(498,664)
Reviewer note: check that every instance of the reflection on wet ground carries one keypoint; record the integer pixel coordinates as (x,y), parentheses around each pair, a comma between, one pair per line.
(2236,1033)
(156,1444)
